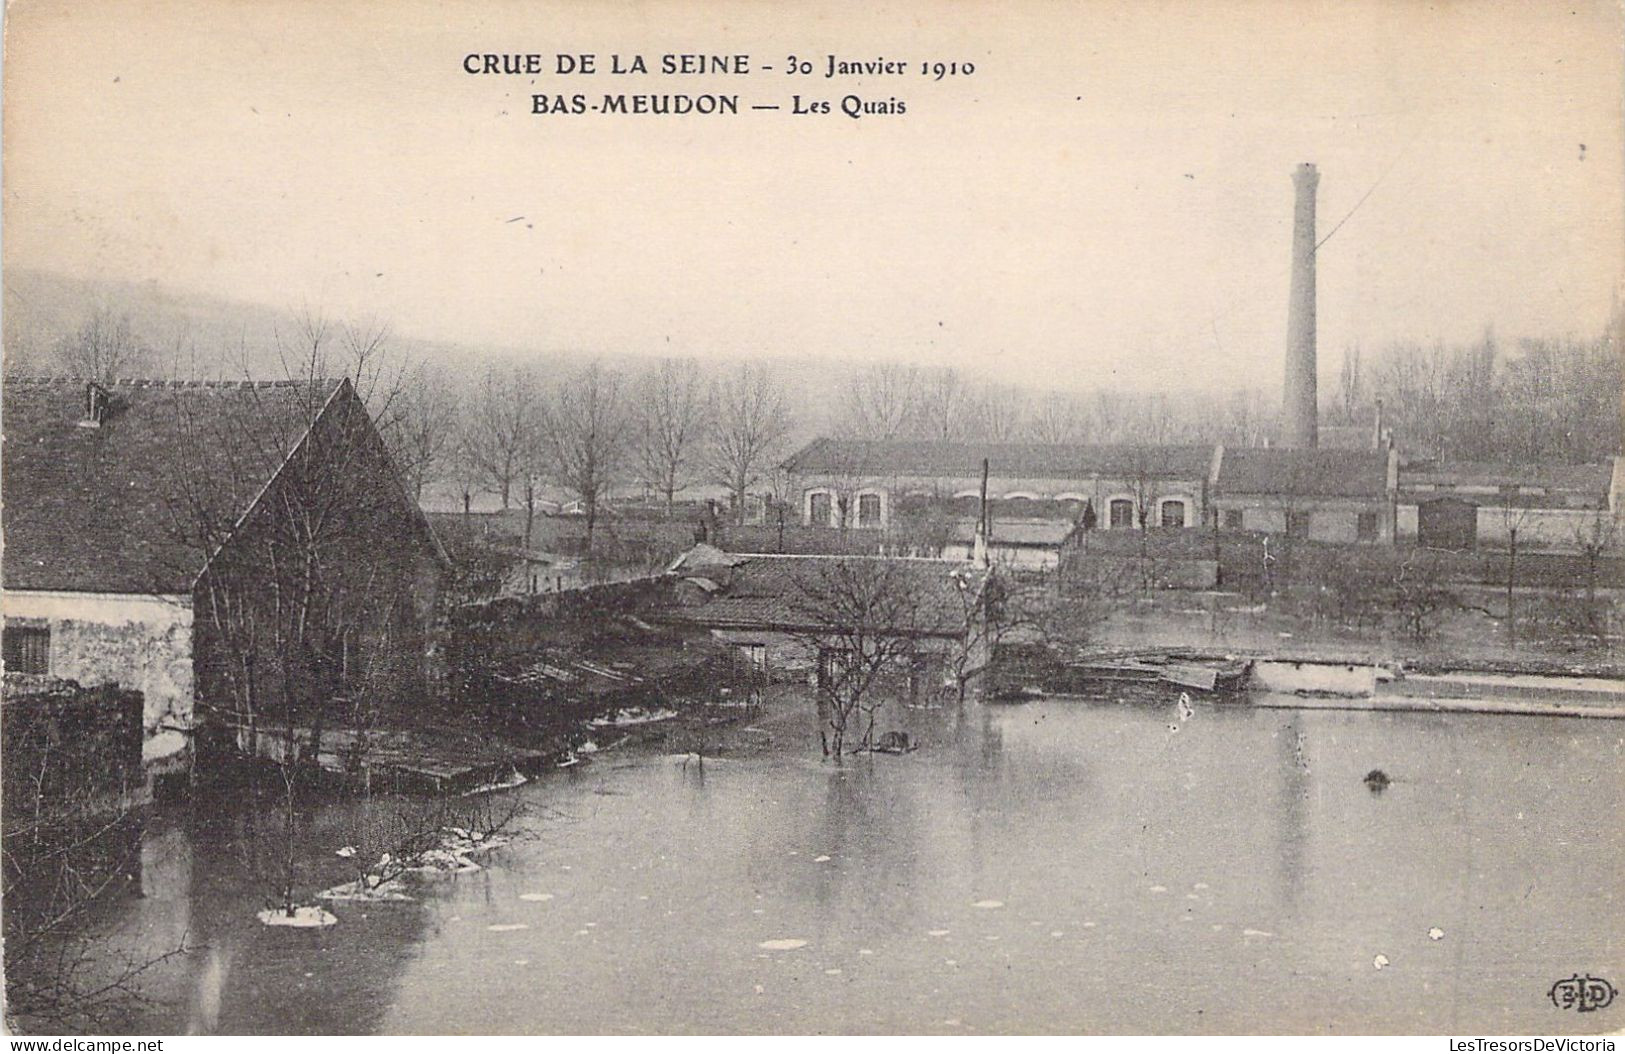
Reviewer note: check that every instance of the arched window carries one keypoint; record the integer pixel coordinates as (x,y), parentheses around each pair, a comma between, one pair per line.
(820,508)
(871,509)
(1174,512)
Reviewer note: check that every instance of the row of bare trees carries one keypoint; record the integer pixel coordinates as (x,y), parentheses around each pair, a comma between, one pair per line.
(891,402)
(597,429)
(1537,400)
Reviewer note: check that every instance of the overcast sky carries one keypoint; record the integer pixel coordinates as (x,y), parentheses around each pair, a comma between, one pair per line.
(1107,200)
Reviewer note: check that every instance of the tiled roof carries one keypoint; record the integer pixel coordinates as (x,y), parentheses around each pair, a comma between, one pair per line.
(862,457)
(780,592)
(1307,473)
(103,509)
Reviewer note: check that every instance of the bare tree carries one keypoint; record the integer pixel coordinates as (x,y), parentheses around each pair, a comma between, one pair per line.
(103,348)
(422,432)
(1059,417)
(586,437)
(1350,386)
(862,617)
(882,401)
(749,424)
(70,842)
(943,405)
(669,417)
(499,430)
(1000,412)
(310,609)
(1594,537)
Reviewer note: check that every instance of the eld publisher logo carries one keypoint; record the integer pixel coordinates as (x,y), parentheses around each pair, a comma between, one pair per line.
(1582,993)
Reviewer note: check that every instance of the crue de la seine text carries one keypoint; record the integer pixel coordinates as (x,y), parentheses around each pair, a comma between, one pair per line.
(790,72)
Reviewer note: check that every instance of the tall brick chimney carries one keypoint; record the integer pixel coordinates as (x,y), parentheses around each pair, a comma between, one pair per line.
(1298,396)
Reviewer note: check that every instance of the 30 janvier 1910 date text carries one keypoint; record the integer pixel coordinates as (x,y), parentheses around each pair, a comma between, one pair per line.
(676,64)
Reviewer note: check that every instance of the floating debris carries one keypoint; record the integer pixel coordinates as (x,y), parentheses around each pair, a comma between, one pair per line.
(1380,961)
(307,917)
(513,779)
(363,890)
(1377,781)
(508,927)
(632,715)
(1256,933)
(936,933)
(1159,889)
(782,944)
(820,859)
(988,904)
(1435,934)
(347,852)
(535,896)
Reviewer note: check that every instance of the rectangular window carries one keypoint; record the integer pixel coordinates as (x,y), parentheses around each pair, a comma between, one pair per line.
(1232,519)
(1122,513)
(1365,527)
(1297,524)
(27,649)
(818,510)
(868,510)
(755,655)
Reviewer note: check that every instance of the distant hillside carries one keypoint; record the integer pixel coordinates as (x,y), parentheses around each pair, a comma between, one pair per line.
(193,334)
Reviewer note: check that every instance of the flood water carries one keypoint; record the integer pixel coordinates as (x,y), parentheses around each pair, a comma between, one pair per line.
(1049,866)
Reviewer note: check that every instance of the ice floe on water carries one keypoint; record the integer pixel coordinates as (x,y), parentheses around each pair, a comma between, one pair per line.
(515,778)
(1159,889)
(820,859)
(1256,933)
(988,904)
(364,890)
(1435,934)
(507,927)
(1380,961)
(535,896)
(633,715)
(308,917)
(936,933)
(782,944)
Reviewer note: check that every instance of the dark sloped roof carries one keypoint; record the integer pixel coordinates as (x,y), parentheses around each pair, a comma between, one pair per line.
(1588,480)
(108,509)
(780,592)
(865,457)
(1304,473)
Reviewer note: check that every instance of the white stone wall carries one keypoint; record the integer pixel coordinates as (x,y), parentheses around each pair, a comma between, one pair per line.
(140,642)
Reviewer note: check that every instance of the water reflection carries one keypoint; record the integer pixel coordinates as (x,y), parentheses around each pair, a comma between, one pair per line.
(1024,870)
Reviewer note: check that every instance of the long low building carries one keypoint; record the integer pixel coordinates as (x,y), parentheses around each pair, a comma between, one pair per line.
(1465,504)
(868,484)
(1362,493)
